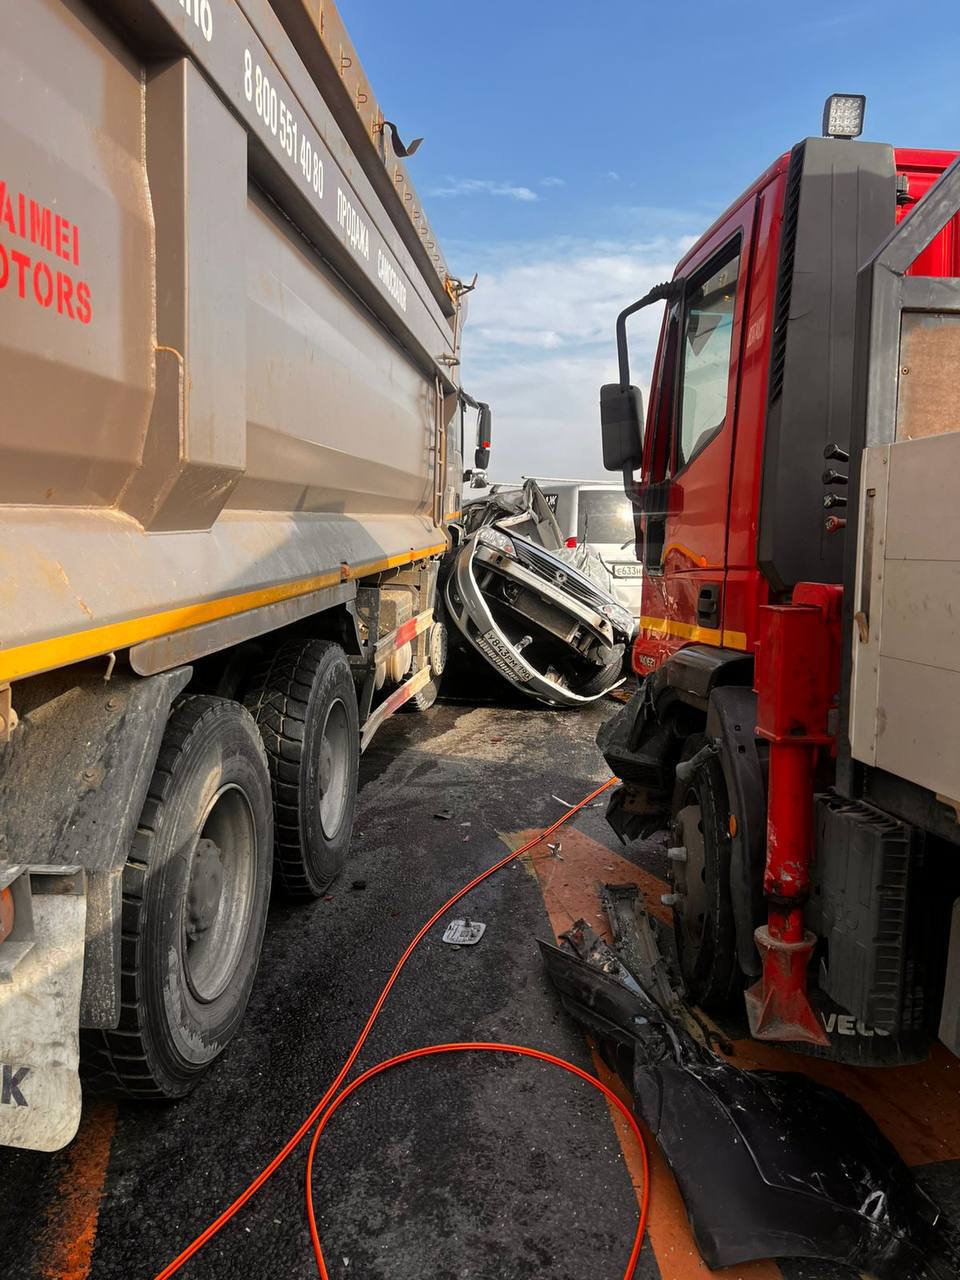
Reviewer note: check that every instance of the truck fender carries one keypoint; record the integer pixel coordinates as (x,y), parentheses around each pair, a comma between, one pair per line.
(694,671)
(73,780)
(641,742)
(642,750)
(731,722)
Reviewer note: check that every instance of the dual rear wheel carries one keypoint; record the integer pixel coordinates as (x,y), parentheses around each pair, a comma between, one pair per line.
(303,701)
(239,793)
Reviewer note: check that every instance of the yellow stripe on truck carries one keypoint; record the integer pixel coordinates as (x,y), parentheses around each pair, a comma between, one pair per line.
(368,567)
(686,631)
(61,651)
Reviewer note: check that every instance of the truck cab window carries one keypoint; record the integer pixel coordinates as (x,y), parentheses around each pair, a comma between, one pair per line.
(707,337)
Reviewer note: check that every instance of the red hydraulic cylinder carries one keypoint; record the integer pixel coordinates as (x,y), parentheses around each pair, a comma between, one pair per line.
(786,877)
(797,678)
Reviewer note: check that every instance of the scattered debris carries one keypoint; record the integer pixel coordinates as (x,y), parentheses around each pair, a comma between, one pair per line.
(635,936)
(769,1164)
(464,933)
(444,815)
(621,695)
(570,804)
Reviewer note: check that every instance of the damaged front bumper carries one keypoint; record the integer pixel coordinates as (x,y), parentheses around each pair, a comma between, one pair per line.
(545,628)
(768,1163)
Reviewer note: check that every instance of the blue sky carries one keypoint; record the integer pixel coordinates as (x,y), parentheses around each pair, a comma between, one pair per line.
(573,151)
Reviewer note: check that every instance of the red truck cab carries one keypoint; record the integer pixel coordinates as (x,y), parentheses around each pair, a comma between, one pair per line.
(784,848)
(703,447)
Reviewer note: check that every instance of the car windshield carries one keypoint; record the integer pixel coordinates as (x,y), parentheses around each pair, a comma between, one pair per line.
(604,516)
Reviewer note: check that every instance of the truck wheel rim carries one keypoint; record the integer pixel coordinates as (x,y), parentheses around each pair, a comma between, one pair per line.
(438,649)
(219,894)
(334,769)
(691,874)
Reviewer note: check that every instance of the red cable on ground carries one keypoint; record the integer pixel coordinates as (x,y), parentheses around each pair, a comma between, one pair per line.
(294,1141)
(468,1047)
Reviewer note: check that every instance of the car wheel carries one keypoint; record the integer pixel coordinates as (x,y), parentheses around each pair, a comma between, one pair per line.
(606,677)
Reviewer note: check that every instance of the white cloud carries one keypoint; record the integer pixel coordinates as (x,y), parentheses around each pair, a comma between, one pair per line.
(483,186)
(552,182)
(539,341)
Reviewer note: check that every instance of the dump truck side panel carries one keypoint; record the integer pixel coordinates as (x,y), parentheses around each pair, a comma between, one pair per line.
(76,248)
(337,420)
(212,331)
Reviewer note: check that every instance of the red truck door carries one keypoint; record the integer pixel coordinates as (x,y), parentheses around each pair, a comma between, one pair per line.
(688,450)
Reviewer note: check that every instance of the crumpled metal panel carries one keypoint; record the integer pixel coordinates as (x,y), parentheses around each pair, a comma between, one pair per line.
(768,1163)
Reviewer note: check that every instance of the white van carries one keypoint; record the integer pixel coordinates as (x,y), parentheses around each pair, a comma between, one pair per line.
(599,515)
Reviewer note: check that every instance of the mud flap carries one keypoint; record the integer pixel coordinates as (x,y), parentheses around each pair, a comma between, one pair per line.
(41,973)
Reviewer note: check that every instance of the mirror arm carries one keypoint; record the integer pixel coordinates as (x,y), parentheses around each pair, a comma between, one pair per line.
(669,291)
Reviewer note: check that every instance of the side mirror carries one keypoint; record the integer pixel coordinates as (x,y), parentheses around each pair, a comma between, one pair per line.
(621,405)
(621,424)
(481,459)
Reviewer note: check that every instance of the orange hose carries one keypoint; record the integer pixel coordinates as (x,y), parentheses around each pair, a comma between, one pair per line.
(472,1047)
(294,1141)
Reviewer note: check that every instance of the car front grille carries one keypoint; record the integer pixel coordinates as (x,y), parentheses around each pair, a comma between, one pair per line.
(561,575)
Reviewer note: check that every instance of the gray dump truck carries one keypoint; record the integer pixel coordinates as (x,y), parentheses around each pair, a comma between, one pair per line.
(231,452)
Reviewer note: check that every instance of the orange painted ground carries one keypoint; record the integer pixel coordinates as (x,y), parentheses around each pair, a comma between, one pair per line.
(66,1244)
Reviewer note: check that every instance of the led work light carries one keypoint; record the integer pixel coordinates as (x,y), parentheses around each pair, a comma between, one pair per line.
(843,115)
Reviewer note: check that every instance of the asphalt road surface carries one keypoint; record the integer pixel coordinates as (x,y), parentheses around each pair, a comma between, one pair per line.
(483,1167)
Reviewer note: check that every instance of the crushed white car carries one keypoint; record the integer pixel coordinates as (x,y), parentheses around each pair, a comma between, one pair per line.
(548,629)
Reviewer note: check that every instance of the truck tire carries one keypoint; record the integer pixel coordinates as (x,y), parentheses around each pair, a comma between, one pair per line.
(703,918)
(196,886)
(305,705)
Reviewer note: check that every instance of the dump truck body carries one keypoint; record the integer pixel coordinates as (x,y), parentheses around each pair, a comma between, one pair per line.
(212,329)
(231,452)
